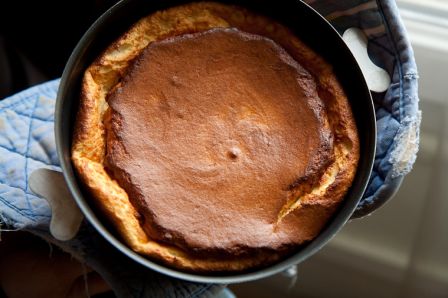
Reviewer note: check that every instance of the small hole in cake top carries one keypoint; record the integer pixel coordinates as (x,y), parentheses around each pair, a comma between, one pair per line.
(233,153)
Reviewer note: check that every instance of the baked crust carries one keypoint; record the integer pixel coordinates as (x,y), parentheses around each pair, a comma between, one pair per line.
(311,205)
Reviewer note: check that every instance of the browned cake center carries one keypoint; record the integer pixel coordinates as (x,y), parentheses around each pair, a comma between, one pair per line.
(209,133)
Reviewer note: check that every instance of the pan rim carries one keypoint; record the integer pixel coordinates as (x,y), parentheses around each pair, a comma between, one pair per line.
(333,227)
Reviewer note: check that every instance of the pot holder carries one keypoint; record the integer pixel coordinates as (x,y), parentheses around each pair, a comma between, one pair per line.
(27,144)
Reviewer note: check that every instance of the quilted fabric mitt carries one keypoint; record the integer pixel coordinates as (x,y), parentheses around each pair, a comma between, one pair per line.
(397,113)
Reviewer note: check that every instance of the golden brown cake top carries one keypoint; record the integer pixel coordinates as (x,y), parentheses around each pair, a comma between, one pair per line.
(209,133)
(317,188)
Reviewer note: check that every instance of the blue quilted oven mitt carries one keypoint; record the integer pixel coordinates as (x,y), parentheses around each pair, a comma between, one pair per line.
(27,143)
(397,113)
